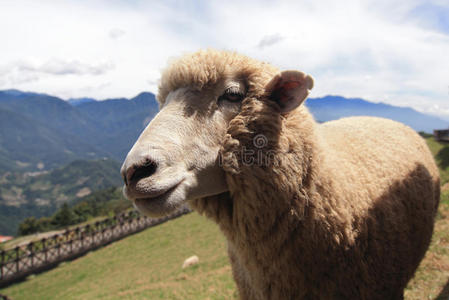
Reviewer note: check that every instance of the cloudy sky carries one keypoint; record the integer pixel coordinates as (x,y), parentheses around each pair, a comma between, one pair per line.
(395,52)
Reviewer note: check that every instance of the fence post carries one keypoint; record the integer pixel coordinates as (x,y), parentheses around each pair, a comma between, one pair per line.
(59,247)
(17,259)
(94,230)
(2,264)
(83,234)
(30,249)
(69,239)
(44,249)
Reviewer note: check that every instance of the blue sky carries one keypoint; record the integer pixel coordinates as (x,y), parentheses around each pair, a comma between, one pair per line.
(384,51)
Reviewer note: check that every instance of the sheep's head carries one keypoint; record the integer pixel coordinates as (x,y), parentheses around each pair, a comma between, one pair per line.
(176,158)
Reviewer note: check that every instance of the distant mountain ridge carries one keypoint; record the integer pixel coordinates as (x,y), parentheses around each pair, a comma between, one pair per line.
(78,101)
(49,146)
(56,131)
(54,151)
(335,107)
(46,131)
(39,131)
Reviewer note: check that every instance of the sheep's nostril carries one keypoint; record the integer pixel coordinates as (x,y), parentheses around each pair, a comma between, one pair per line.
(135,173)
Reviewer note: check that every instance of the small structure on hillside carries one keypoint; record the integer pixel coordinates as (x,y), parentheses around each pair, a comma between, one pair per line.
(5,238)
(441,135)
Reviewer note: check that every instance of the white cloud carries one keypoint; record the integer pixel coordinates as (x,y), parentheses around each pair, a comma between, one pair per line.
(25,72)
(61,67)
(116,33)
(270,40)
(381,50)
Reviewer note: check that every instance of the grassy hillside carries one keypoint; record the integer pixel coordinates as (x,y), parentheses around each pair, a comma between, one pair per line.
(441,153)
(148,265)
(144,266)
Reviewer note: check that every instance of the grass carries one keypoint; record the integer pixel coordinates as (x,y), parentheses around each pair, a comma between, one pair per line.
(431,280)
(441,153)
(147,265)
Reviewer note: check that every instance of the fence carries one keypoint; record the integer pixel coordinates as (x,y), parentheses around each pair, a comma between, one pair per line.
(441,135)
(34,257)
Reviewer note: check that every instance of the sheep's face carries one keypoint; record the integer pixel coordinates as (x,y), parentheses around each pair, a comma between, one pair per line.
(176,158)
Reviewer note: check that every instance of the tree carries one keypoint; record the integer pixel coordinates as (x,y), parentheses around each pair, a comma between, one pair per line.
(28,226)
(64,217)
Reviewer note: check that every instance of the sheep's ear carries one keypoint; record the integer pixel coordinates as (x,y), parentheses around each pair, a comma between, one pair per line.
(289,89)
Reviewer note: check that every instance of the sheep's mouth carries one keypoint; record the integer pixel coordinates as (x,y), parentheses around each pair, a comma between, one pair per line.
(160,195)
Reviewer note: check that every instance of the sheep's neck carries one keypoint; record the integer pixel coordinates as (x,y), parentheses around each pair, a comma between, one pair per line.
(273,167)
(269,216)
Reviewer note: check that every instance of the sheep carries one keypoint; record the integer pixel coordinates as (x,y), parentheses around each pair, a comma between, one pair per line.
(340,210)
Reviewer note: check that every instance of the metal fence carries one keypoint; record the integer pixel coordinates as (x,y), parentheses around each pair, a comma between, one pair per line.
(37,256)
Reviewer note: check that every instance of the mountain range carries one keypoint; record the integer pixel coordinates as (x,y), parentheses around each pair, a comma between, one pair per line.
(335,107)
(41,132)
(54,151)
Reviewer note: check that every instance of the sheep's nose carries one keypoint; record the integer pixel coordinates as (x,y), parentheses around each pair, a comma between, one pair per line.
(136,172)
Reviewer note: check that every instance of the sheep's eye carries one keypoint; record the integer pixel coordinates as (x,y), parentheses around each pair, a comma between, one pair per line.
(232,95)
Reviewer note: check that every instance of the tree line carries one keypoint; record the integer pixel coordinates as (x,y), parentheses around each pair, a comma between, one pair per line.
(101,203)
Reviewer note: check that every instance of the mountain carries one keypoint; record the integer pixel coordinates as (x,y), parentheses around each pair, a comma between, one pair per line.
(120,121)
(17,93)
(335,107)
(54,151)
(45,142)
(27,144)
(78,101)
(56,122)
(41,193)
(39,131)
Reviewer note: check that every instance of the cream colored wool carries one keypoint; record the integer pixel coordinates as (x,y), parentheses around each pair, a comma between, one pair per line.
(341,210)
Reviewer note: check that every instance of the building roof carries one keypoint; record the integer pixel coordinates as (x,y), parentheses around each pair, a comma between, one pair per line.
(4,238)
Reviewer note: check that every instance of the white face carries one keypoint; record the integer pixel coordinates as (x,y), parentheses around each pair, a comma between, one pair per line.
(175,159)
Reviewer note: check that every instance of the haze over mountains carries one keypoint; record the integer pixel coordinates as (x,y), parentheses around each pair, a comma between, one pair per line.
(41,136)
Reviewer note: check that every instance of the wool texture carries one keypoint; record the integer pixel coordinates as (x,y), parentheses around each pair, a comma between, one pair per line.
(340,210)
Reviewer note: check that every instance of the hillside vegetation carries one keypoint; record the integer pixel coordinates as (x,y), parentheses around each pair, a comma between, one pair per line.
(441,153)
(102,203)
(148,265)
(24,195)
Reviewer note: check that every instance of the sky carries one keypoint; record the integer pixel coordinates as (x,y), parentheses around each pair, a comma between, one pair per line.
(391,51)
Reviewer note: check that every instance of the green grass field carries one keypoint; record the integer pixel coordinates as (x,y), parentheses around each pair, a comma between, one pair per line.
(147,265)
